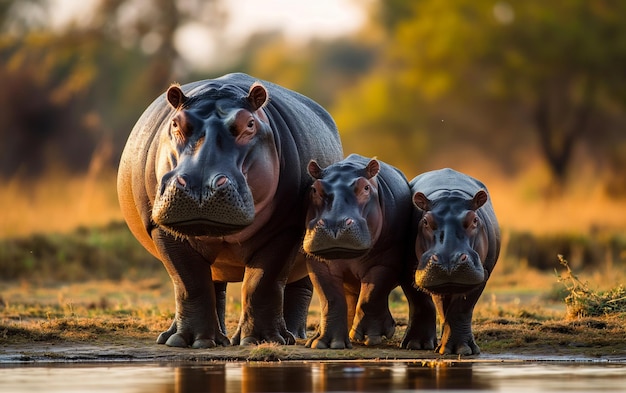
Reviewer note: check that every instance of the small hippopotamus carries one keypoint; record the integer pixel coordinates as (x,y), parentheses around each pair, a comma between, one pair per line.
(357,228)
(457,243)
(212,181)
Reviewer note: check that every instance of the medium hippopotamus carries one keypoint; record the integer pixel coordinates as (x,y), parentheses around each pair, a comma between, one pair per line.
(212,182)
(358,223)
(457,243)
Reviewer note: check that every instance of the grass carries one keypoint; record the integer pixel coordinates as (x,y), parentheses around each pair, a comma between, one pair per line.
(60,201)
(516,315)
(582,301)
(73,275)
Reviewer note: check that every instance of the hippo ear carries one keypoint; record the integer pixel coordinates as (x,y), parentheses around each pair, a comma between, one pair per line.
(258,95)
(314,169)
(420,200)
(175,96)
(372,168)
(479,199)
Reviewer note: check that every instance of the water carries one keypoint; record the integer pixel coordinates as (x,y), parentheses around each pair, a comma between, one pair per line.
(315,376)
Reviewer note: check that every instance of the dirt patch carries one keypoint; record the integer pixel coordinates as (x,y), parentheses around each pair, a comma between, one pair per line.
(127,340)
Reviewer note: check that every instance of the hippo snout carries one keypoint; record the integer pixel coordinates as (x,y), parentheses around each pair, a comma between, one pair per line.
(217,209)
(337,239)
(449,272)
(340,228)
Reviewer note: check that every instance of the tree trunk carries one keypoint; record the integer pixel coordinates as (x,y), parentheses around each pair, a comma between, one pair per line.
(557,136)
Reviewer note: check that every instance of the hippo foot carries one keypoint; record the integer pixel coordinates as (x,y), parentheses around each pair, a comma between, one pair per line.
(418,344)
(172,338)
(464,348)
(324,341)
(282,338)
(420,337)
(373,335)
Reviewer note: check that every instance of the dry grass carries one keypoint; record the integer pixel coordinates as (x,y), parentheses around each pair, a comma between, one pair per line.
(531,202)
(582,301)
(59,202)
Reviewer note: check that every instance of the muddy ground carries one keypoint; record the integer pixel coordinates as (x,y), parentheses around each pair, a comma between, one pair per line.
(82,339)
(118,321)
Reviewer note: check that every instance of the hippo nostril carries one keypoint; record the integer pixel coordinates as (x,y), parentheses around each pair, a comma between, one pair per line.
(349,222)
(463,257)
(434,258)
(181,181)
(219,181)
(320,223)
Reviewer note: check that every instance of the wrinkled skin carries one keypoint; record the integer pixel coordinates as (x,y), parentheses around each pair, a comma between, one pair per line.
(357,229)
(212,182)
(457,243)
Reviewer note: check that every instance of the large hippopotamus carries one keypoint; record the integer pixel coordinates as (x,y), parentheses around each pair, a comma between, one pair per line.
(457,243)
(357,229)
(212,182)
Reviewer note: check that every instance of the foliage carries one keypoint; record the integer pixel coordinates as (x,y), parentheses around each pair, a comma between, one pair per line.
(585,302)
(72,94)
(480,74)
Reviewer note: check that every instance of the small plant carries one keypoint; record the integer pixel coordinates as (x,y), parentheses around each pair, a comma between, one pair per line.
(581,301)
(267,352)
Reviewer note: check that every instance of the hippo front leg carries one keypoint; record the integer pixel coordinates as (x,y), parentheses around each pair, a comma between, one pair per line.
(262,293)
(421,332)
(456,314)
(373,320)
(196,322)
(332,331)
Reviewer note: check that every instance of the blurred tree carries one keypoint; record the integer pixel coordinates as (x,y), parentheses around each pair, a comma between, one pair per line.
(482,73)
(72,92)
(320,69)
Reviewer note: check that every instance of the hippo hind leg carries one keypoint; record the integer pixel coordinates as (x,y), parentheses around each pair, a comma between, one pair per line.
(297,299)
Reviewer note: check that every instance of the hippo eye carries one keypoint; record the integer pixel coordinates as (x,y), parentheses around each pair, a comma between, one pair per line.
(366,188)
(251,123)
(425,222)
(177,131)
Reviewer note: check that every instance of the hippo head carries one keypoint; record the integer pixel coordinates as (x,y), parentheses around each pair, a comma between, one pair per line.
(217,163)
(451,243)
(344,217)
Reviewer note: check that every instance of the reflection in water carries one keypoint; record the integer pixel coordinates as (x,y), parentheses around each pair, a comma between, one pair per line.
(315,377)
(368,377)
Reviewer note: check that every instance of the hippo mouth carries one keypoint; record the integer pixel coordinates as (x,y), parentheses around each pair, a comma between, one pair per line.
(339,253)
(449,288)
(323,243)
(435,278)
(203,227)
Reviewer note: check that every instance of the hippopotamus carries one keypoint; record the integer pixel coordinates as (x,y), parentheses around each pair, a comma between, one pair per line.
(357,229)
(212,182)
(457,243)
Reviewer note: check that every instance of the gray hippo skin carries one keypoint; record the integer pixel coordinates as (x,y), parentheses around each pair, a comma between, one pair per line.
(358,225)
(457,243)
(212,181)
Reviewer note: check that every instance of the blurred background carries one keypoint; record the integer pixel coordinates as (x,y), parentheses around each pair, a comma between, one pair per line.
(527,96)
